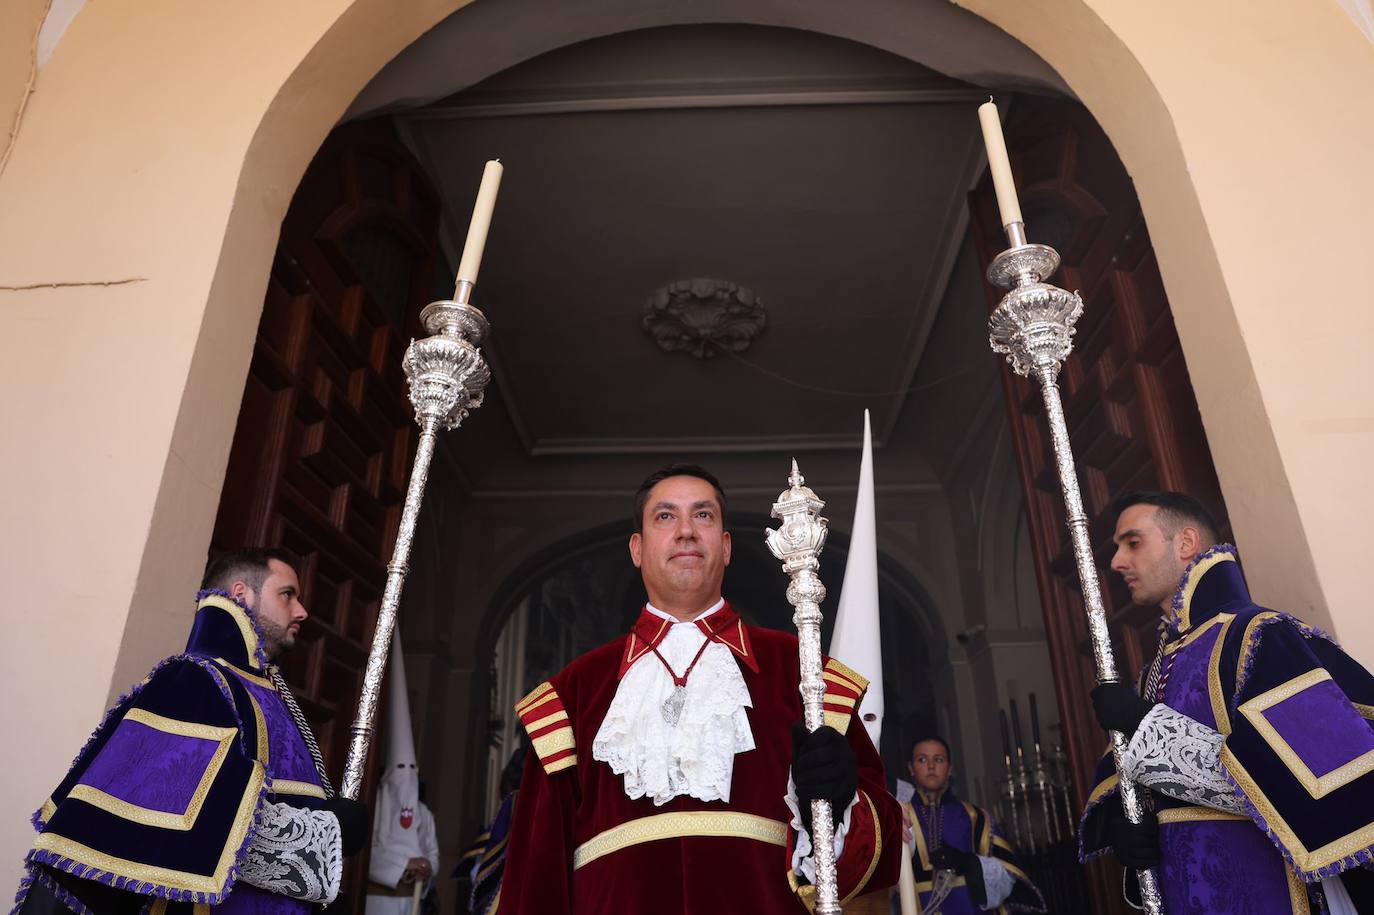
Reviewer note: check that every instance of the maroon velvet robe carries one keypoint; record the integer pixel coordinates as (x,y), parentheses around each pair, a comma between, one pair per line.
(580,845)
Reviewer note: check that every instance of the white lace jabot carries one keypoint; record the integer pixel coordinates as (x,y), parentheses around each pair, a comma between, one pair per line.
(697,756)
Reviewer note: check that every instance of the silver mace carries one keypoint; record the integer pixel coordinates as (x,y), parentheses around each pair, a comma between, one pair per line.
(797,543)
(447,376)
(1033,326)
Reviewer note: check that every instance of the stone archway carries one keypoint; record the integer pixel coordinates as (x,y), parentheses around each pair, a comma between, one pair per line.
(138,207)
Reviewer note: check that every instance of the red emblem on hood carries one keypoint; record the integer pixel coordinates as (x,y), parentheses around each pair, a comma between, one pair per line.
(407,817)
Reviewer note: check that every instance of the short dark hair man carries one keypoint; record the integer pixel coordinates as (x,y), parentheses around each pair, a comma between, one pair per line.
(960,859)
(1250,729)
(204,784)
(659,777)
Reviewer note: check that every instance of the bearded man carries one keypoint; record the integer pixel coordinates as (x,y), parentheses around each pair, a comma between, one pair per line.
(670,772)
(1250,729)
(203,788)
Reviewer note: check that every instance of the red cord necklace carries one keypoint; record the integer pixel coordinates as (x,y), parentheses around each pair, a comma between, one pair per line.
(672,706)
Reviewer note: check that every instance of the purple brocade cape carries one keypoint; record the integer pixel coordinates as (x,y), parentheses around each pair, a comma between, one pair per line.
(963,826)
(160,805)
(1299,749)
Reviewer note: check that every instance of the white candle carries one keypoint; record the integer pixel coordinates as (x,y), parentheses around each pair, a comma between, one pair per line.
(481,221)
(999,164)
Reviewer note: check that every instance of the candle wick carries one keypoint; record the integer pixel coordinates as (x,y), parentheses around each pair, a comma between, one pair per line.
(990,98)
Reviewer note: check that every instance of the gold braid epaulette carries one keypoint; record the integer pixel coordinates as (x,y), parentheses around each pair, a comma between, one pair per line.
(551,733)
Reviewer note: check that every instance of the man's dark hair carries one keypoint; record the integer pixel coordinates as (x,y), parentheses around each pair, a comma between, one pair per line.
(674,470)
(247,565)
(911,747)
(1177,510)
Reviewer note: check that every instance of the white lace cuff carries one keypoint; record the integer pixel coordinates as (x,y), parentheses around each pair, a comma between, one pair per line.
(296,852)
(802,863)
(1178,756)
(997,882)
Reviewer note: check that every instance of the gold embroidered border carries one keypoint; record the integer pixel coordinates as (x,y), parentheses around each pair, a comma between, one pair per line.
(926,886)
(1195,634)
(694,823)
(162,876)
(159,907)
(985,839)
(1196,815)
(1316,786)
(250,638)
(1309,861)
(299,789)
(533,694)
(560,715)
(1221,709)
(838,720)
(1246,638)
(542,700)
(47,810)
(849,673)
(263,753)
(566,762)
(549,744)
(1107,784)
(877,850)
(248,675)
(1190,585)
(837,699)
(922,853)
(1297,892)
(163,819)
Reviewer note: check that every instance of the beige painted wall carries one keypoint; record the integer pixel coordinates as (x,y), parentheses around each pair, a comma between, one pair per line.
(139,212)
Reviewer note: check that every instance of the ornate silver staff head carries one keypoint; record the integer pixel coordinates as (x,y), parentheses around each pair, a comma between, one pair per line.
(446,371)
(1034,324)
(802,535)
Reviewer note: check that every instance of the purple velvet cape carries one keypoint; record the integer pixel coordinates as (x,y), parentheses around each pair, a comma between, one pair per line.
(162,801)
(1298,749)
(967,828)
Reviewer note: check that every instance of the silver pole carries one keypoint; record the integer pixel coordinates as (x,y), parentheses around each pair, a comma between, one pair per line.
(798,543)
(447,376)
(1034,326)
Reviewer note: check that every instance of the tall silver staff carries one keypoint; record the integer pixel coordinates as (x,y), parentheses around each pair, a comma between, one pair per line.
(447,376)
(797,543)
(1033,326)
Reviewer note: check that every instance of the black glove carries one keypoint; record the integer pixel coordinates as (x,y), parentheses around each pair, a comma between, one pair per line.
(966,865)
(945,858)
(1118,708)
(823,769)
(1136,845)
(353,823)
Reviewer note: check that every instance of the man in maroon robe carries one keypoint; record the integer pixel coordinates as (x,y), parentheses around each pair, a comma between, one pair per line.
(669,773)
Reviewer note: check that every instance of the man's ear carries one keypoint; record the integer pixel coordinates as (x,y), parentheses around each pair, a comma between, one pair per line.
(1188,543)
(242,593)
(636,548)
(725,541)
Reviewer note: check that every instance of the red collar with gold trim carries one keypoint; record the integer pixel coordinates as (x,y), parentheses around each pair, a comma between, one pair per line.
(723,626)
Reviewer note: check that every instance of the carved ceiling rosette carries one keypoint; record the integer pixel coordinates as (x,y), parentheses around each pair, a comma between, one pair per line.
(701,316)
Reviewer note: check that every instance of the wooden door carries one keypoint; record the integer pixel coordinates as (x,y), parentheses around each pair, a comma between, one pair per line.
(322,450)
(1132,417)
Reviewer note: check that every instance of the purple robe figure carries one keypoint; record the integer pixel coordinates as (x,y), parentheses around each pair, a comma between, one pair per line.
(1257,756)
(199,789)
(991,879)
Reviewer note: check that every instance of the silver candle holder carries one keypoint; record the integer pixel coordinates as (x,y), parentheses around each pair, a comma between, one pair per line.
(1033,327)
(447,377)
(798,543)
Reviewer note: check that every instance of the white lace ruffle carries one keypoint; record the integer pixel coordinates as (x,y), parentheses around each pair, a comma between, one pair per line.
(997,882)
(1178,756)
(697,756)
(803,862)
(296,852)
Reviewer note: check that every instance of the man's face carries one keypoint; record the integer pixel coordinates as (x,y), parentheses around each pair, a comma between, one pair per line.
(684,547)
(930,765)
(1150,563)
(278,607)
